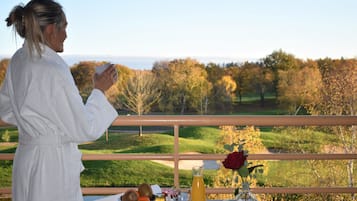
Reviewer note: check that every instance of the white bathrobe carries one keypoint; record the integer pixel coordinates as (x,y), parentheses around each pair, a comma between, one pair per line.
(40,97)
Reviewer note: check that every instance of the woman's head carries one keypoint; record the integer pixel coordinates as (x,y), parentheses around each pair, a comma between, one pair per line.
(40,21)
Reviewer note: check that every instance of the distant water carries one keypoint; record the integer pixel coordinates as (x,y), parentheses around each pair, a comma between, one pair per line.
(139,62)
(130,62)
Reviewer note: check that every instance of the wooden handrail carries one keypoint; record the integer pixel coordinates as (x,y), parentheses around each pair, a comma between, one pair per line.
(217,120)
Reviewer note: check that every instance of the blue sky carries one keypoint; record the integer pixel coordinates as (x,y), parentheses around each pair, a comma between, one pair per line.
(238,29)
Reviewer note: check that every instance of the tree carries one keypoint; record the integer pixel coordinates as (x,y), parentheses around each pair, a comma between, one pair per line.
(161,71)
(83,76)
(338,97)
(113,93)
(181,82)
(278,61)
(140,93)
(229,135)
(226,87)
(214,75)
(235,71)
(256,78)
(214,72)
(299,88)
(3,67)
(204,94)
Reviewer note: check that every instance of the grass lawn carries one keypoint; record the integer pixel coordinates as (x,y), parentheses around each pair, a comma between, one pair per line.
(133,173)
(192,139)
(202,140)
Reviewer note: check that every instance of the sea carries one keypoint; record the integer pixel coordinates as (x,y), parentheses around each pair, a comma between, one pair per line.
(141,62)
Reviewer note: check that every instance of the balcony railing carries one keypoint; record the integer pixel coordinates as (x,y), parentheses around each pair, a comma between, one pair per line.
(195,120)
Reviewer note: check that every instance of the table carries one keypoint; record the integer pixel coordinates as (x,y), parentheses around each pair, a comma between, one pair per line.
(103,198)
(94,198)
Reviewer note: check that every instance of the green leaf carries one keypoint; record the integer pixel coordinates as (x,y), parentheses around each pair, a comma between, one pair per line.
(243,171)
(228,147)
(236,191)
(253,167)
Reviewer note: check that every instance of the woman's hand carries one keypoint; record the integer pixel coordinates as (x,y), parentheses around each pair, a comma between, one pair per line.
(106,79)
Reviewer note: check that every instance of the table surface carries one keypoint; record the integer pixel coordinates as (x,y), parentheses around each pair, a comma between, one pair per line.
(93,198)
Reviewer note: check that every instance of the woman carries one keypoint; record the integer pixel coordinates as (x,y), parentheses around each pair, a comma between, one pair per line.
(39,96)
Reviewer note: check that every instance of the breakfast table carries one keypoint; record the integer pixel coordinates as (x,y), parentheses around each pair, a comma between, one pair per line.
(156,190)
(103,198)
(112,198)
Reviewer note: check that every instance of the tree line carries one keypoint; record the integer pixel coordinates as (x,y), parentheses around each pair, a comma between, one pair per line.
(182,86)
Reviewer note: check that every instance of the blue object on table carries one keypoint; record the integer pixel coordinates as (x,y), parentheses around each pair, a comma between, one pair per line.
(92,198)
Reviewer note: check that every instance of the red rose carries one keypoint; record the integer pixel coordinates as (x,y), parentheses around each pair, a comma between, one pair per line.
(234,160)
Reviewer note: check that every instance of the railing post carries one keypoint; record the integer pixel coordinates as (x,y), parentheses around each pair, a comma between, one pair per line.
(176,156)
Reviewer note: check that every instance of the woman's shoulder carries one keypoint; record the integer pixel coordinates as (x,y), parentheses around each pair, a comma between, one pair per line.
(54,64)
(52,59)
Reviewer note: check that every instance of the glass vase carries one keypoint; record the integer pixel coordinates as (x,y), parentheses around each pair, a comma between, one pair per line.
(245,194)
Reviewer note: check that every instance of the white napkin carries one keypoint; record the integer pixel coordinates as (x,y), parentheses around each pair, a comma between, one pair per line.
(156,189)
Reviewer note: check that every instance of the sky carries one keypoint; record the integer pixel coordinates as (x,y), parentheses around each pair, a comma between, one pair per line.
(237,29)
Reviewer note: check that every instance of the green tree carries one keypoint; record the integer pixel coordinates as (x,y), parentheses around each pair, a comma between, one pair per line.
(214,75)
(277,61)
(256,79)
(214,72)
(161,71)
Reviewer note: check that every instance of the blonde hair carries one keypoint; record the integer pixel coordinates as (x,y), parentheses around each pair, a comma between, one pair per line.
(30,21)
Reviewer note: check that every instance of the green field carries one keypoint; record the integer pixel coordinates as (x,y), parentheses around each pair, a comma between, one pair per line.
(192,139)
(202,140)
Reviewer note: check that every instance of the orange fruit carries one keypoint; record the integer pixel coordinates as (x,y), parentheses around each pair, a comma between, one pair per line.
(144,198)
(145,190)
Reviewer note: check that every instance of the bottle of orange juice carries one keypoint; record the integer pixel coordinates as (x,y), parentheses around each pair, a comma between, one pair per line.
(198,191)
